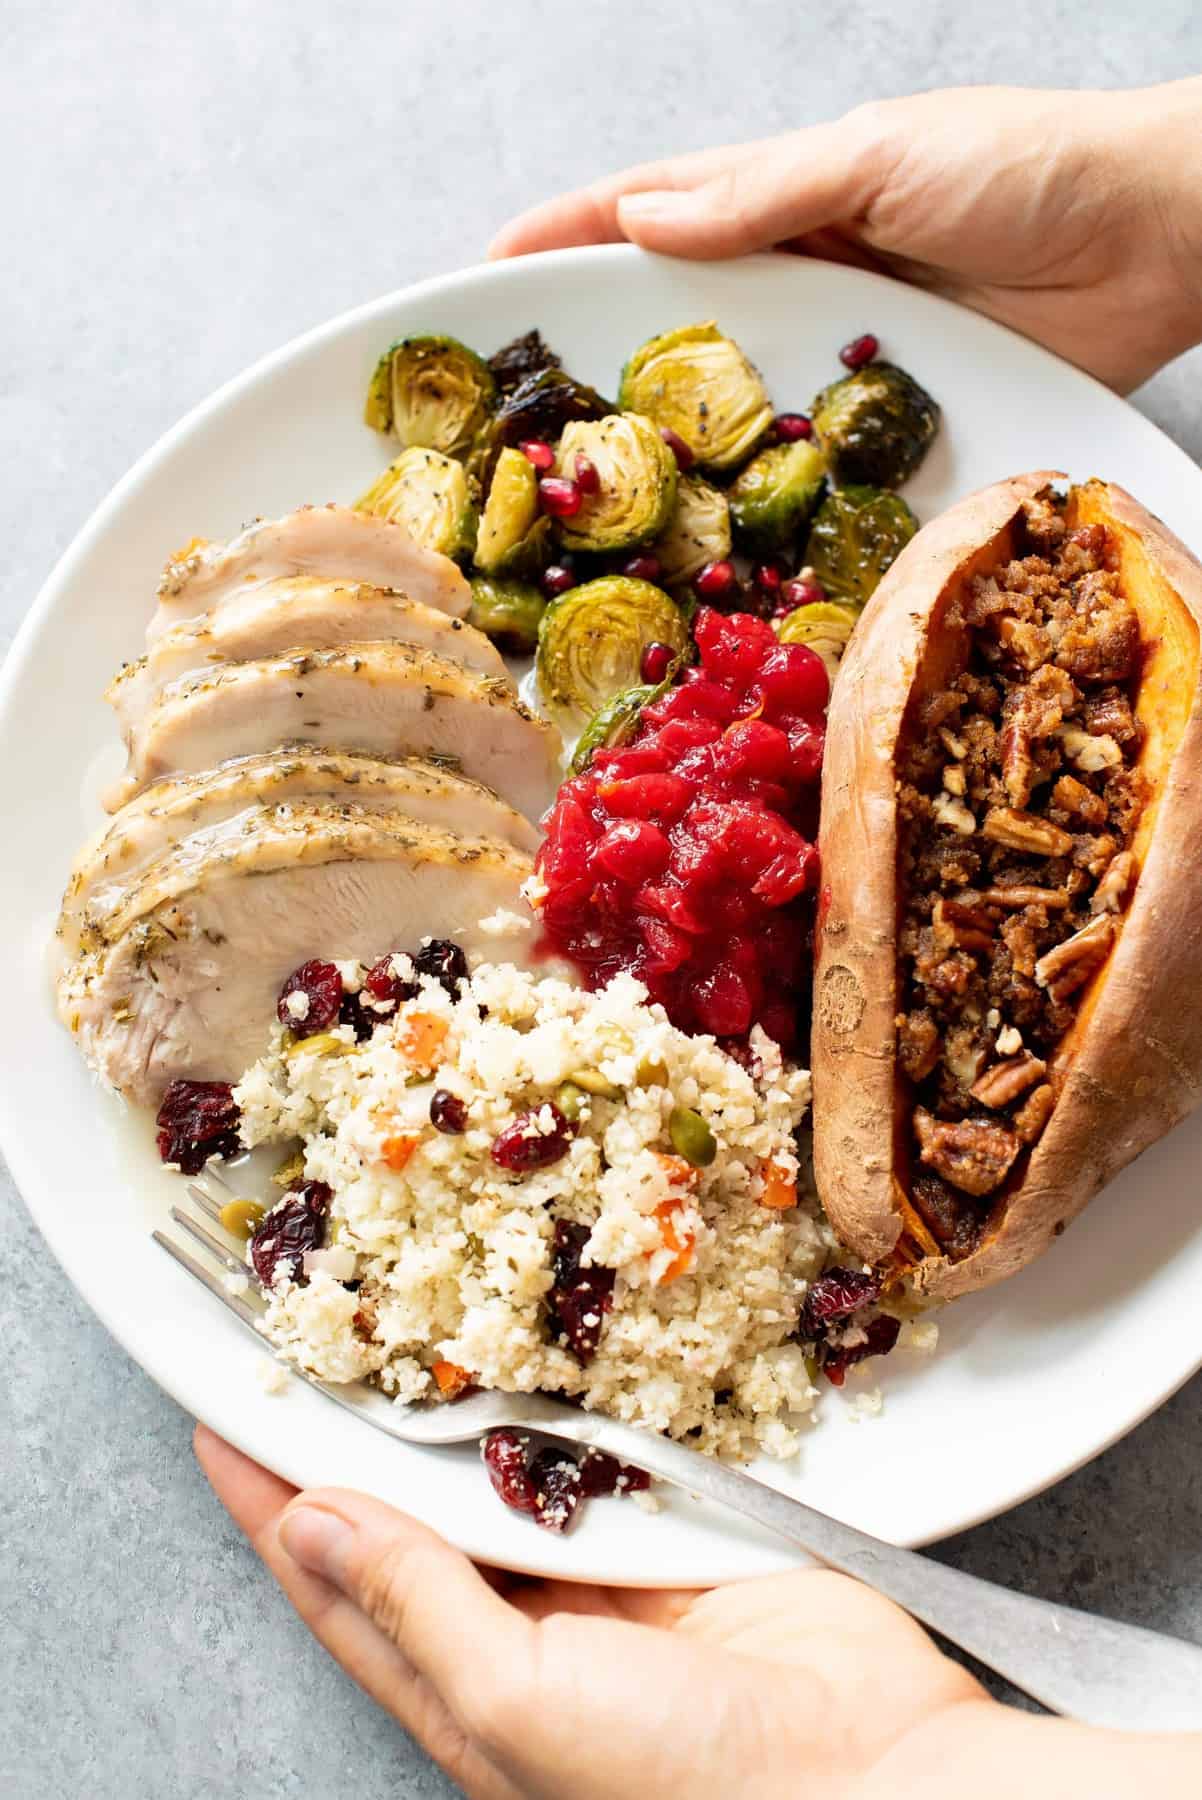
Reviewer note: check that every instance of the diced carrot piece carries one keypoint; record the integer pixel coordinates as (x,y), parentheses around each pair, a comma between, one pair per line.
(779,1192)
(451,1379)
(419,1038)
(679,1242)
(679,1173)
(397,1149)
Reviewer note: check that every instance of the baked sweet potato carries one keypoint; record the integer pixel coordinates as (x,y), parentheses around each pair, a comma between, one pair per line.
(1010,924)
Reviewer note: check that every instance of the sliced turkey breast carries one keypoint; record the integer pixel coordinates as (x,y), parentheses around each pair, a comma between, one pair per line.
(383,699)
(220,803)
(188,979)
(331,541)
(295,612)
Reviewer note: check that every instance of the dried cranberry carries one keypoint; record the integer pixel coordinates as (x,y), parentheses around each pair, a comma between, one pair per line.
(362,1021)
(556,580)
(643,567)
(579,1297)
(836,1295)
(601,1474)
(791,426)
(290,1229)
(540,454)
(384,988)
(657,659)
(319,986)
(880,1335)
(535,1140)
(716,580)
(861,350)
(448,1113)
(678,447)
(587,478)
(504,1454)
(559,497)
(558,1490)
(445,961)
(197,1120)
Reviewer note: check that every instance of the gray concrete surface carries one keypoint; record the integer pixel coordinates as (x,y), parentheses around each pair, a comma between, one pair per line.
(180,190)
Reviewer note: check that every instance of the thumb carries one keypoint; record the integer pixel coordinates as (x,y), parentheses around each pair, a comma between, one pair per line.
(766,194)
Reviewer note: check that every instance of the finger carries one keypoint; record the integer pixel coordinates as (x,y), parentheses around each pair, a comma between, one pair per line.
(590,214)
(255,1499)
(661,1607)
(797,184)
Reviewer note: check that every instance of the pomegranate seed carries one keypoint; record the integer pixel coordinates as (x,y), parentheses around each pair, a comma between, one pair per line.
(524,1145)
(678,447)
(448,1113)
(802,591)
(561,498)
(861,350)
(657,659)
(197,1119)
(768,577)
(715,580)
(791,426)
(556,580)
(319,986)
(642,568)
(587,478)
(540,454)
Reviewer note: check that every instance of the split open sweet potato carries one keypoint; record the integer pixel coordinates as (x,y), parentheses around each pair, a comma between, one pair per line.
(1010,923)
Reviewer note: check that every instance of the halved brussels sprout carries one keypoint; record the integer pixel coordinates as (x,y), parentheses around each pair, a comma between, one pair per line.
(523,356)
(432,392)
(857,533)
(432,496)
(615,722)
(697,533)
(636,482)
(875,426)
(510,514)
(825,626)
(698,383)
(591,641)
(508,612)
(775,495)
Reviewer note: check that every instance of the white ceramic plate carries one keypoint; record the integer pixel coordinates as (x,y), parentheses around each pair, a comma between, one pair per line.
(1030,1380)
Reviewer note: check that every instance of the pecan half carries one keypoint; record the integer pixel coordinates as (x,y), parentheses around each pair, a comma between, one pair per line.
(1034,1113)
(1114,889)
(1022,831)
(967,927)
(973,1154)
(1072,796)
(1069,966)
(1054,899)
(1007,1080)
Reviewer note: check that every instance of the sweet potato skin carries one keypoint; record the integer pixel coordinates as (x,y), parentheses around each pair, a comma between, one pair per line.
(1131,1067)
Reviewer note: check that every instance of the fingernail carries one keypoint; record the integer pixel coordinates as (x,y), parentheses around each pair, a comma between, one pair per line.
(654,204)
(317,1540)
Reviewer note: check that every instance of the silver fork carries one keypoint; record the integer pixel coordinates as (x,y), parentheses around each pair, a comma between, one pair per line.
(1075,1663)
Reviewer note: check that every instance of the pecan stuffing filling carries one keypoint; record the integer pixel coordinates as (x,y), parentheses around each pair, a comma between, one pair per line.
(1017,802)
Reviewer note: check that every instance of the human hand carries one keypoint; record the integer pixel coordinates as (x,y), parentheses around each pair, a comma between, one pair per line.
(1076,218)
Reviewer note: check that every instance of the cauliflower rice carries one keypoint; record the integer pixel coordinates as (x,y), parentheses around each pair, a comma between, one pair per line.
(450,1255)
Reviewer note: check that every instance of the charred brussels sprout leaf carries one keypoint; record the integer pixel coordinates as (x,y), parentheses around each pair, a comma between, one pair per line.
(856,535)
(514,538)
(508,612)
(432,496)
(698,532)
(591,642)
(636,486)
(775,495)
(826,626)
(615,723)
(542,405)
(433,393)
(526,355)
(875,426)
(698,383)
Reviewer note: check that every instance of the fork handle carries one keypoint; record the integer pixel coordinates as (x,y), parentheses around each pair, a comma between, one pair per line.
(1088,1668)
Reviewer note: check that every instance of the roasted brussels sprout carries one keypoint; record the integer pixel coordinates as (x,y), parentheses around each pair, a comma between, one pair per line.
(825,625)
(432,392)
(699,384)
(875,425)
(508,612)
(857,533)
(432,496)
(542,404)
(775,495)
(591,642)
(614,723)
(526,355)
(514,538)
(635,487)
(697,533)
